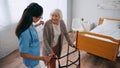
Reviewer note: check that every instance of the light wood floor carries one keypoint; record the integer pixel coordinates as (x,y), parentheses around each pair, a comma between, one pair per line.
(13,60)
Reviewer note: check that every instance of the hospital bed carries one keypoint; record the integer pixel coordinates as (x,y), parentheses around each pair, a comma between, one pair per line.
(102,41)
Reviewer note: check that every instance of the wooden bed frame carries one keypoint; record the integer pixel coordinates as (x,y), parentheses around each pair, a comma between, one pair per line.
(102,19)
(101,48)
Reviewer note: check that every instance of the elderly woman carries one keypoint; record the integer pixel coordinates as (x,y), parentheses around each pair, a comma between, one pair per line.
(53,35)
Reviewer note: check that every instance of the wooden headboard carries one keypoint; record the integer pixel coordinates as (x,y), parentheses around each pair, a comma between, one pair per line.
(102,19)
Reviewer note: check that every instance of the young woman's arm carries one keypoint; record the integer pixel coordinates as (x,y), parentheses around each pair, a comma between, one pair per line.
(43,58)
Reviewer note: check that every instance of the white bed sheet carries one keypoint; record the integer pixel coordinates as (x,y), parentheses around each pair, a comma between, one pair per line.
(113,32)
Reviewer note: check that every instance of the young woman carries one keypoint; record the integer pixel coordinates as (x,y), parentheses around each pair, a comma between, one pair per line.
(53,34)
(29,45)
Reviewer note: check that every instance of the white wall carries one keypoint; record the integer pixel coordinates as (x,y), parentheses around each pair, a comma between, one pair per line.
(4,13)
(62,4)
(88,9)
(69,14)
(11,10)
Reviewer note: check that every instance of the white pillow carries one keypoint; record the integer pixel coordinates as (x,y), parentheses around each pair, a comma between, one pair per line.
(111,24)
(110,28)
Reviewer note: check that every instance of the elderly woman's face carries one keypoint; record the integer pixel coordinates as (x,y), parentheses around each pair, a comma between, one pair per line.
(55,17)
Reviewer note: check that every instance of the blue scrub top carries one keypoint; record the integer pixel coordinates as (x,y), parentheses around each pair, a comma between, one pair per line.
(29,43)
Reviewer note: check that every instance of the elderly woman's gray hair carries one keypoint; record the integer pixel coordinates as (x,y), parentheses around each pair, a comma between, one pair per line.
(57,11)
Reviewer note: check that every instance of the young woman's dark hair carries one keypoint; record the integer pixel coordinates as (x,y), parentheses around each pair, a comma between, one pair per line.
(33,10)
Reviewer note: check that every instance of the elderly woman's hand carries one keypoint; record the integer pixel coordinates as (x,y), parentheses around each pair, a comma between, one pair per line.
(41,23)
(52,54)
(74,46)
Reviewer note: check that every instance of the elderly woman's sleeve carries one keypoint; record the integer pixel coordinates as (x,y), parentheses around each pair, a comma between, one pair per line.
(66,34)
(46,46)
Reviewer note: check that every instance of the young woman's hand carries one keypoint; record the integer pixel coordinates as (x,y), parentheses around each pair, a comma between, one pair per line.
(41,23)
(46,59)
